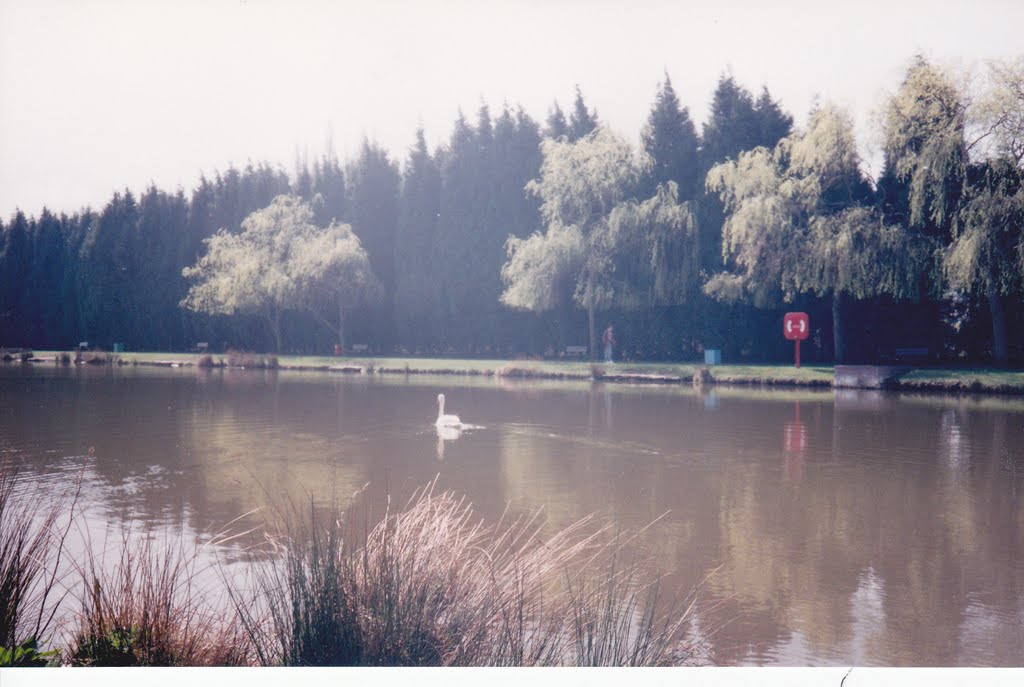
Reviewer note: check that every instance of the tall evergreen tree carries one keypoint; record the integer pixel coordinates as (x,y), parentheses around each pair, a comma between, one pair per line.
(416,287)
(110,272)
(670,139)
(373,211)
(328,190)
(582,120)
(44,282)
(556,126)
(15,271)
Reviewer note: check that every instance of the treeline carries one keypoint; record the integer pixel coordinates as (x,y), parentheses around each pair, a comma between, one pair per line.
(437,231)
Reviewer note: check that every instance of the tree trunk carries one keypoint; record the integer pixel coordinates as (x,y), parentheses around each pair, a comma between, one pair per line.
(999,343)
(341,326)
(592,332)
(274,319)
(838,339)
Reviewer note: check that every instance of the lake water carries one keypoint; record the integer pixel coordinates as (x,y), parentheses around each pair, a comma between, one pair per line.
(859,528)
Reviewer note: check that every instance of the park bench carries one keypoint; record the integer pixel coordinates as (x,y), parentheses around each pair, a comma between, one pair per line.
(575,351)
(202,347)
(359,349)
(919,354)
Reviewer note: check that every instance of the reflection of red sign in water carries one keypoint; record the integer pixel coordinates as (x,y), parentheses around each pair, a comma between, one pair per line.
(794,443)
(794,437)
(795,327)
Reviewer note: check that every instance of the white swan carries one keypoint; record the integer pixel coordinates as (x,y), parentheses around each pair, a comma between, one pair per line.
(446,420)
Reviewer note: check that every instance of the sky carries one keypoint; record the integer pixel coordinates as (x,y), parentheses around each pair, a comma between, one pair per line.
(98,96)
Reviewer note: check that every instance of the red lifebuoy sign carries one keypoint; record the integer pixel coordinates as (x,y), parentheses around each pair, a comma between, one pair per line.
(796,326)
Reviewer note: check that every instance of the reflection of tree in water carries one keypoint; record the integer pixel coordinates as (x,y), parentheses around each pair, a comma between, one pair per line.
(878,555)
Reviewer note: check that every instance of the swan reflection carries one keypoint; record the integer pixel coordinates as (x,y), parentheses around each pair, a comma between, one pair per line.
(446,433)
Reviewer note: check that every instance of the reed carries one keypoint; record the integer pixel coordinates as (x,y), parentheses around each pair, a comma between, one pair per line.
(432,585)
(31,545)
(149,610)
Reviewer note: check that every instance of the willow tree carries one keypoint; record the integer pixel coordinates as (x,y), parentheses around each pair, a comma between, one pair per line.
(959,153)
(333,274)
(599,247)
(798,220)
(280,261)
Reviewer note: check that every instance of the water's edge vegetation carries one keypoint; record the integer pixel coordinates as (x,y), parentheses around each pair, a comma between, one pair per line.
(427,584)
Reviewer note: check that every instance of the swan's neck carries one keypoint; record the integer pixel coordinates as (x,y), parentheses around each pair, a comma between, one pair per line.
(440,407)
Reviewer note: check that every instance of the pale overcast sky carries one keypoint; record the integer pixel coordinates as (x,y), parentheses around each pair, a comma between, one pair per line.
(100,95)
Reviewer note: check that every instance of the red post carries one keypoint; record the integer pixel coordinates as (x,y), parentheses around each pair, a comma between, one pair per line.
(797,342)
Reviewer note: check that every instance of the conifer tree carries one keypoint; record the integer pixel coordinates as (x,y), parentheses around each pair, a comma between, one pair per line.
(555,126)
(670,139)
(416,278)
(582,120)
(374,186)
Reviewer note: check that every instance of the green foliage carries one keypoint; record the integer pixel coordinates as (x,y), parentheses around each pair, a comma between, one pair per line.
(539,269)
(583,120)
(28,655)
(416,294)
(924,142)
(115,648)
(670,140)
(281,261)
(795,224)
(607,250)
(988,249)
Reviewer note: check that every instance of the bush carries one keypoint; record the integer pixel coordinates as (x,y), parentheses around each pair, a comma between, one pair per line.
(252,361)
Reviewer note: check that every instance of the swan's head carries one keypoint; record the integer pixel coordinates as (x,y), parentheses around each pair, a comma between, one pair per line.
(440,399)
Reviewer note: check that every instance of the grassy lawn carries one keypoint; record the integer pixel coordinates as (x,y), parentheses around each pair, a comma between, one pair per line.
(980,379)
(951,379)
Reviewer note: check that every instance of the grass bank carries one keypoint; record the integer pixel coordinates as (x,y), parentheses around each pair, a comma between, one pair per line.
(954,380)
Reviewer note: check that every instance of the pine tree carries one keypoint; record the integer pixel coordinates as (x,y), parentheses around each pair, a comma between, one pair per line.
(670,139)
(373,212)
(556,127)
(582,120)
(15,271)
(416,297)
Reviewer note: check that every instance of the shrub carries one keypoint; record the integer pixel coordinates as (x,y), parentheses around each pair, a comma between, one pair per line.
(205,361)
(251,360)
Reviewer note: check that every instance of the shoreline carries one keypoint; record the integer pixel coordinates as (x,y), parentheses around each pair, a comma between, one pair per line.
(938,380)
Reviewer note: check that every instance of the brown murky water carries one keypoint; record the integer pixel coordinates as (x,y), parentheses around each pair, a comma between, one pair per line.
(842,528)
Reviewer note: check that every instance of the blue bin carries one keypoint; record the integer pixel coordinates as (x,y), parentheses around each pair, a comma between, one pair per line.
(712,356)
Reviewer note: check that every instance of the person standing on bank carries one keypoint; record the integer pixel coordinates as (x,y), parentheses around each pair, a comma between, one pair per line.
(608,339)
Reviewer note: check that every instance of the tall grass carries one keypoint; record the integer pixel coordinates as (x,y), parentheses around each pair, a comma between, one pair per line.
(148,610)
(425,584)
(31,544)
(430,584)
